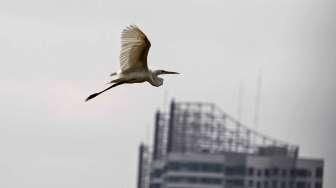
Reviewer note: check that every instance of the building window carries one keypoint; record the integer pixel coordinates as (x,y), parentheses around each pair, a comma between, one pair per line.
(192,167)
(154,185)
(274,184)
(283,184)
(235,170)
(210,181)
(173,166)
(284,173)
(235,183)
(309,173)
(156,173)
(265,184)
(251,171)
(300,184)
(174,179)
(318,185)
(195,167)
(258,184)
(192,180)
(259,173)
(319,172)
(250,183)
(292,173)
(275,171)
(267,172)
(291,184)
(303,173)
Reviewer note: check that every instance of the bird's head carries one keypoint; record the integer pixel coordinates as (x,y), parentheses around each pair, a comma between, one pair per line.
(157,81)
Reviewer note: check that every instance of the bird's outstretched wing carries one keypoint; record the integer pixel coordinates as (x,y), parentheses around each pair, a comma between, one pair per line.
(134,50)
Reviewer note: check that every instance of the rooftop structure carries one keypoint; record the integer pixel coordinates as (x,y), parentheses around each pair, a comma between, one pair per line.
(198,145)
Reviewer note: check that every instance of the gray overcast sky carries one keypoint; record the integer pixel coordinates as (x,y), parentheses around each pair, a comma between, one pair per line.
(55,53)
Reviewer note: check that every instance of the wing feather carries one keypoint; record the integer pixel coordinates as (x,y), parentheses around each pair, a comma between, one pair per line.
(134,49)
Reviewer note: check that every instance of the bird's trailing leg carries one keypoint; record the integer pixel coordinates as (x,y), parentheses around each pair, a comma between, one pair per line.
(96,94)
(114,81)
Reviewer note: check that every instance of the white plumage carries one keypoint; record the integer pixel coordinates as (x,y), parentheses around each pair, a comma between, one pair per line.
(133,61)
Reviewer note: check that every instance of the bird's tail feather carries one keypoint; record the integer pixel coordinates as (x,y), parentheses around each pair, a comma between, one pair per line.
(113,74)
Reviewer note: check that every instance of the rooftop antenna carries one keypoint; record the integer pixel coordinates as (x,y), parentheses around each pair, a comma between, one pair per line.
(240,101)
(147,135)
(257,100)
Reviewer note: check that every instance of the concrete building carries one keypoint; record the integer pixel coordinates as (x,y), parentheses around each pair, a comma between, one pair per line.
(196,145)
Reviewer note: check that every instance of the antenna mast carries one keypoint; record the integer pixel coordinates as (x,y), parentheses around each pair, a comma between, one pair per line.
(240,101)
(257,100)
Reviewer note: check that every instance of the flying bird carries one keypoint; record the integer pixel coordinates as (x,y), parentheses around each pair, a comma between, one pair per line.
(133,62)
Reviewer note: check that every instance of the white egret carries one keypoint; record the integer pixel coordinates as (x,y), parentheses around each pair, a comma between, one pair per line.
(133,61)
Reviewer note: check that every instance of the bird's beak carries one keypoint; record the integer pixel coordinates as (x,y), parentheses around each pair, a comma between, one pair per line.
(170,72)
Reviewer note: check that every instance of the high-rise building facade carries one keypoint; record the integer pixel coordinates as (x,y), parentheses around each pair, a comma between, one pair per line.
(196,145)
